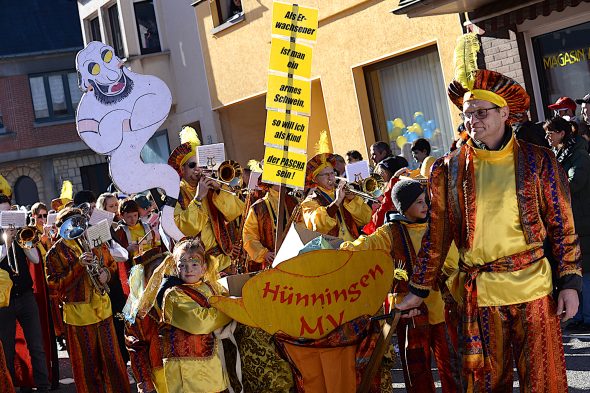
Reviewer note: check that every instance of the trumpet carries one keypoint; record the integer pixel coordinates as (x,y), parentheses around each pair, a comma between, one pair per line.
(371,188)
(75,228)
(28,237)
(229,174)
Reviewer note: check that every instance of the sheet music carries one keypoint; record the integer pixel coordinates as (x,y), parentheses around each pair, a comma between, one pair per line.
(51,218)
(99,233)
(13,219)
(356,170)
(98,215)
(210,155)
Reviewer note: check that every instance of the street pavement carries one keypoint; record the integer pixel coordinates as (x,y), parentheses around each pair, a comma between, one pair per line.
(577,357)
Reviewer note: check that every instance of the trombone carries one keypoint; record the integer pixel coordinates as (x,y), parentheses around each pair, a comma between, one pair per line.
(371,188)
(229,174)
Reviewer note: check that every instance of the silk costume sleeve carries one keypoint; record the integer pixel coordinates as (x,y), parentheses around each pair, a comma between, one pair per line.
(62,277)
(191,220)
(182,312)
(251,236)
(557,214)
(360,211)
(229,205)
(107,259)
(437,239)
(5,287)
(316,217)
(378,240)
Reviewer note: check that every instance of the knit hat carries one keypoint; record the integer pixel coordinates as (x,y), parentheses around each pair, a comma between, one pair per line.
(404,193)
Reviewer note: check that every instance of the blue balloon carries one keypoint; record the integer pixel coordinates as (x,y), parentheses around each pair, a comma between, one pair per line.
(389,126)
(411,136)
(427,134)
(431,124)
(420,119)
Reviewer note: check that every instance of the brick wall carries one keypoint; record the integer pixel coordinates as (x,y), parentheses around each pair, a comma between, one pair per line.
(16,106)
(68,168)
(501,55)
(13,171)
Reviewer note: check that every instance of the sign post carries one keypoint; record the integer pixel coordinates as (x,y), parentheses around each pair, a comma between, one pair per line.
(288,101)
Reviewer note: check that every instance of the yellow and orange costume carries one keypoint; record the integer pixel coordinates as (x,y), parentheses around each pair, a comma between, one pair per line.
(5,286)
(97,364)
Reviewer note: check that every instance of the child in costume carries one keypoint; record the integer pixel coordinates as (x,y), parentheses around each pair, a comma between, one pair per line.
(402,236)
(191,351)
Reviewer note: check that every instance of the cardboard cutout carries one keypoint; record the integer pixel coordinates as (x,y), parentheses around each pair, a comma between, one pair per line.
(117,115)
(312,294)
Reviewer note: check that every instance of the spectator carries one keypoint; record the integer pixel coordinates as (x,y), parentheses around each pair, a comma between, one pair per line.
(421,153)
(339,165)
(565,107)
(571,152)
(585,108)
(353,156)
(382,150)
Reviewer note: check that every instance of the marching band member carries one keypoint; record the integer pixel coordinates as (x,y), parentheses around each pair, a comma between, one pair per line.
(5,286)
(402,238)
(330,209)
(141,334)
(96,360)
(191,351)
(202,209)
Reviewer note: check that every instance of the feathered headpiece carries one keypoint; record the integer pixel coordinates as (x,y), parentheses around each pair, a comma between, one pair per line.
(66,196)
(189,141)
(473,84)
(5,187)
(254,166)
(323,144)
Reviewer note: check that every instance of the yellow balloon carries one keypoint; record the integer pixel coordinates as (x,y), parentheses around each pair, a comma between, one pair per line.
(416,114)
(401,141)
(398,123)
(396,132)
(418,129)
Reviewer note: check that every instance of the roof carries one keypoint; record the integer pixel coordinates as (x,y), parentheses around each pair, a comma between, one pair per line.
(39,26)
(415,8)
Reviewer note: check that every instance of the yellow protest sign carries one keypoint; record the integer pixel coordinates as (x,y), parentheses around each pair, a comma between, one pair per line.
(293,21)
(290,58)
(288,94)
(283,128)
(314,293)
(284,167)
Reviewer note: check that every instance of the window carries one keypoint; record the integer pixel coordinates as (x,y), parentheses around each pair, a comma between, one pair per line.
(55,96)
(95,177)
(25,191)
(562,59)
(224,10)
(115,28)
(95,29)
(147,28)
(408,101)
(2,130)
(157,149)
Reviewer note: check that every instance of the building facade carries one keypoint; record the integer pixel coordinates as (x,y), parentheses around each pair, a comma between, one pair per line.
(39,146)
(369,68)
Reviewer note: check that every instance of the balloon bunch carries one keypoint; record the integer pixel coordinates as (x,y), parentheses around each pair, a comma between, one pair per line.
(398,132)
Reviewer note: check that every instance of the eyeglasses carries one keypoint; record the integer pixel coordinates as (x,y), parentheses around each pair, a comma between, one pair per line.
(192,165)
(42,215)
(327,174)
(479,114)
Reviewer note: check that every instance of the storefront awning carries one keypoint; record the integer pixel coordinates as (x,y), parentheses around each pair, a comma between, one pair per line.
(416,8)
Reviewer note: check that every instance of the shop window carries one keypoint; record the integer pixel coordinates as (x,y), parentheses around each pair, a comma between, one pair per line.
(25,191)
(157,149)
(147,28)
(562,60)
(408,101)
(115,31)
(95,177)
(225,10)
(55,95)
(94,25)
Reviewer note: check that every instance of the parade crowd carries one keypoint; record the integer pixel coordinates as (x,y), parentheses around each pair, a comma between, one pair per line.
(494,237)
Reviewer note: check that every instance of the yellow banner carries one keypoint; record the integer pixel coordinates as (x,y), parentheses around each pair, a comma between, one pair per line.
(284,167)
(288,94)
(290,58)
(283,128)
(293,21)
(314,293)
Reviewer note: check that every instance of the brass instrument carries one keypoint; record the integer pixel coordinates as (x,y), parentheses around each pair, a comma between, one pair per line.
(229,173)
(28,237)
(74,228)
(12,261)
(371,188)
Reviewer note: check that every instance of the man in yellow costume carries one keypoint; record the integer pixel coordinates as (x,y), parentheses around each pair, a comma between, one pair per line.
(499,199)
(330,209)
(202,208)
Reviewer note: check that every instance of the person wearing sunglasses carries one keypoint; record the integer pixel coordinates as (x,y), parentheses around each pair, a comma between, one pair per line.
(499,199)
(565,108)
(202,208)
